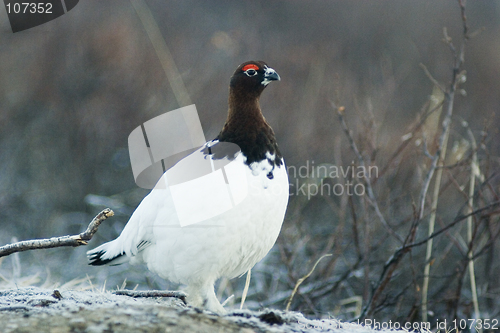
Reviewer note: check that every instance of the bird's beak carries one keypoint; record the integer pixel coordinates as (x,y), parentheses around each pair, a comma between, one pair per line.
(270,75)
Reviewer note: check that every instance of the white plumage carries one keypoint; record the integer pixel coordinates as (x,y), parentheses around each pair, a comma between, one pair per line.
(227,245)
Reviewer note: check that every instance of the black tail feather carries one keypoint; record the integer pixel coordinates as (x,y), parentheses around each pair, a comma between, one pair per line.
(95,259)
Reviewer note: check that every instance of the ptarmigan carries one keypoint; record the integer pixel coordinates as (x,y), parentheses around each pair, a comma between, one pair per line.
(226,245)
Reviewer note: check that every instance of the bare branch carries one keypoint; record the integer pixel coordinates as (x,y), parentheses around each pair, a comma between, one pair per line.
(438,159)
(47,243)
(464,18)
(371,196)
(433,80)
(405,143)
(458,77)
(455,222)
(152,293)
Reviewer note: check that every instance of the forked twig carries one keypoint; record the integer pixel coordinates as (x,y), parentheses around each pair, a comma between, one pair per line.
(47,243)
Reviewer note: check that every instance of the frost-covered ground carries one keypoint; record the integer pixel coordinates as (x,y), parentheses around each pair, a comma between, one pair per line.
(34,309)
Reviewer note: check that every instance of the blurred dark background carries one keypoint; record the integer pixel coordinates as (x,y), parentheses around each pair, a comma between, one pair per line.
(73,89)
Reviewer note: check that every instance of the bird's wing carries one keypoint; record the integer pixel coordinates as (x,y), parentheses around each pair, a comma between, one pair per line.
(158,210)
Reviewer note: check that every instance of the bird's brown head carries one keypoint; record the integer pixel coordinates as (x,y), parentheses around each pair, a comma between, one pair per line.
(252,77)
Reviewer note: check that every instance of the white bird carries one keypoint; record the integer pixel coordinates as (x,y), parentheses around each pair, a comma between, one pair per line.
(225,245)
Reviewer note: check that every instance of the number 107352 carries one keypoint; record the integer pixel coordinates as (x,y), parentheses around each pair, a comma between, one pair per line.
(29,7)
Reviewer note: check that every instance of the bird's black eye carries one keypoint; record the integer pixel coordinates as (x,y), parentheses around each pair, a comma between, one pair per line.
(250,72)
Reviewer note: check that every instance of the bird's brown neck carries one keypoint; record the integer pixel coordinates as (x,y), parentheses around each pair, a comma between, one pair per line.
(247,127)
(244,114)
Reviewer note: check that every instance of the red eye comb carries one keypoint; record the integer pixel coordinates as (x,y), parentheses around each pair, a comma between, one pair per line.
(250,66)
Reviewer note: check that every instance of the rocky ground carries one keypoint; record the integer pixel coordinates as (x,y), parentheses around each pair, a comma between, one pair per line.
(56,311)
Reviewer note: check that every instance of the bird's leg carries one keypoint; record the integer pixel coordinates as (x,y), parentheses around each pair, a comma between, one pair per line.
(203,295)
(213,304)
